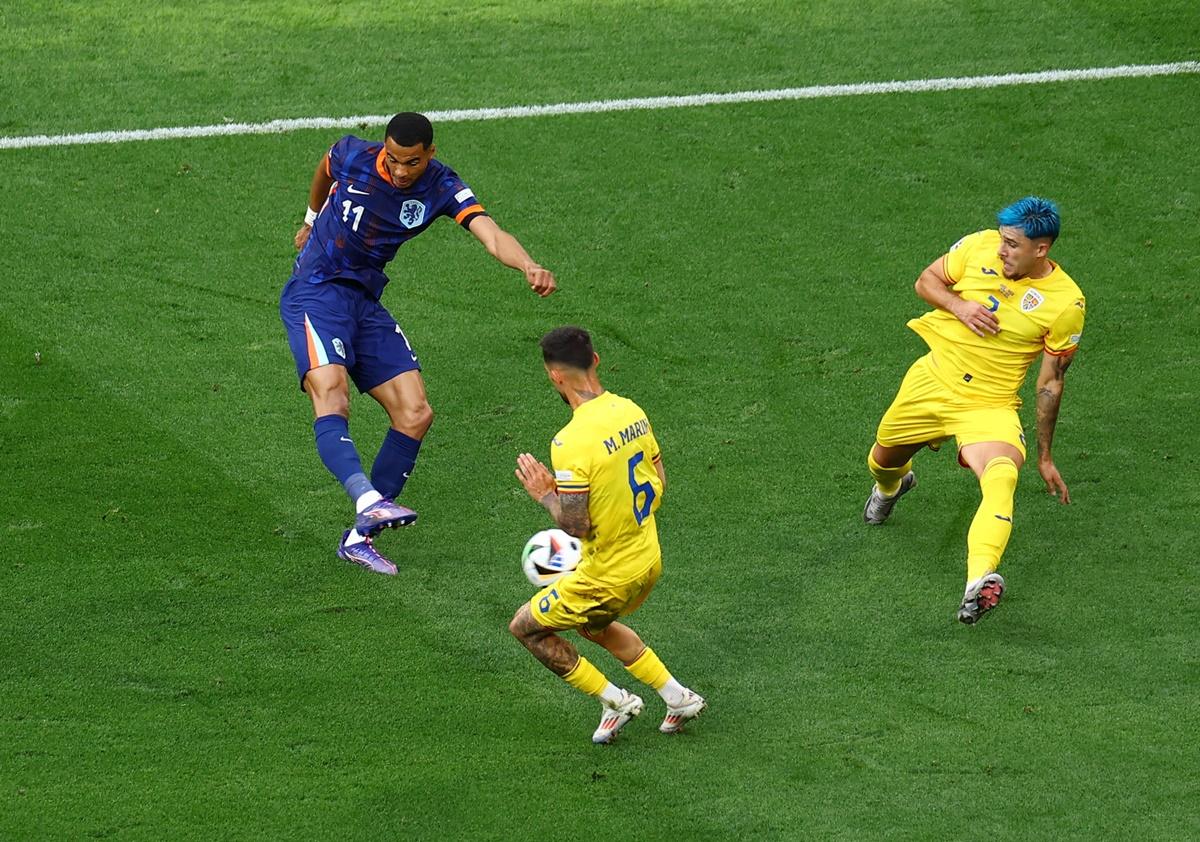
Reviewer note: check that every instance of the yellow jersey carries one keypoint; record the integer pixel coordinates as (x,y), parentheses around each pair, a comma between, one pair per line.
(1034,314)
(608,450)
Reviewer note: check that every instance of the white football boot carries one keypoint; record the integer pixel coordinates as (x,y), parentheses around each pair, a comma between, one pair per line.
(879,507)
(981,596)
(613,719)
(677,715)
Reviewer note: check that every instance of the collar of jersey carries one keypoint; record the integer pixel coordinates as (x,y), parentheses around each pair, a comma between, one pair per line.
(1047,279)
(596,399)
(380,168)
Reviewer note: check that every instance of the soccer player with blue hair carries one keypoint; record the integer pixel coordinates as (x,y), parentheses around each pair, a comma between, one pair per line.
(367,199)
(1000,302)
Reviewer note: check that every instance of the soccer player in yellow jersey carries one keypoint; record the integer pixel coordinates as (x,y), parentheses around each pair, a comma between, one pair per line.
(1001,301)
(607,483)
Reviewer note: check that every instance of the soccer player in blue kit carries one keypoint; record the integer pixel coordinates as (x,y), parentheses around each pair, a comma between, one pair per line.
(367,199)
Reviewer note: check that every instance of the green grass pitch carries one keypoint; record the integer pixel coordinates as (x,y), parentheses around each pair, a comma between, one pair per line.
(183,656)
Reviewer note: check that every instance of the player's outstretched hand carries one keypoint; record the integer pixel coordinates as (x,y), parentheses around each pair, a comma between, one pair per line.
(979,319)
(541,280)
(302,236)
(535,476)
(1054,481)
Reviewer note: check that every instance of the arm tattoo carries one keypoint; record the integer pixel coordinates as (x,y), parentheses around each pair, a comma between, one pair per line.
(573,514)
(1049,397)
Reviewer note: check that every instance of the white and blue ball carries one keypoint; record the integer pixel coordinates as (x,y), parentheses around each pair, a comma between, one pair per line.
(549,555)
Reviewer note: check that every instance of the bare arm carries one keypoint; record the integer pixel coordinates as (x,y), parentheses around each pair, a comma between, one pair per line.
(317,194)
(504,247)
(662,473)
(570,511)
(1049,397)
(934,287)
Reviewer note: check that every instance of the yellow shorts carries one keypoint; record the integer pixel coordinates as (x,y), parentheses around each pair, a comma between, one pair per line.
(575,601)
(926,410)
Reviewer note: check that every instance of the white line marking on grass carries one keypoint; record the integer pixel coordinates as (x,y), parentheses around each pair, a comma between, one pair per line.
(1124,71)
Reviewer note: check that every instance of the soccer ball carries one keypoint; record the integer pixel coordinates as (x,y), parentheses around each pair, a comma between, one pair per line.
(548,555)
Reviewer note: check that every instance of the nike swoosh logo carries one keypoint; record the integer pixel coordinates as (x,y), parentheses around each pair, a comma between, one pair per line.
(350,189)
(346,439)
(414,356)
(407,475)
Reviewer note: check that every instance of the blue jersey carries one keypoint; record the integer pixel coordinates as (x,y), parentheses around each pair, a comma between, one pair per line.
(366,218)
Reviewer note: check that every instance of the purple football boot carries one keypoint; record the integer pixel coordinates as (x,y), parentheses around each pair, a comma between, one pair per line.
(365,555)
(383,514)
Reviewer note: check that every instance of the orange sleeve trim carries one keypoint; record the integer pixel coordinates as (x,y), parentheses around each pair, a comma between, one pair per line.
(465,212)
(328,166)
(1063,352)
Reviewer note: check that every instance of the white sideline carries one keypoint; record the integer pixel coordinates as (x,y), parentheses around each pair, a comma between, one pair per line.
(1123,71)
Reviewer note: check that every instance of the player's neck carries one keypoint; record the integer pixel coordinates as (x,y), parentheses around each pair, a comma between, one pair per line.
(1042,271)
(580,393)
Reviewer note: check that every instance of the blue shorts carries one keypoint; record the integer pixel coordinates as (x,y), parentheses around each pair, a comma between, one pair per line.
(340,322)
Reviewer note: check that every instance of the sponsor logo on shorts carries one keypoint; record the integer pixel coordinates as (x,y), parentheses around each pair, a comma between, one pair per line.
(412,213)
(1032,300)
(339,347)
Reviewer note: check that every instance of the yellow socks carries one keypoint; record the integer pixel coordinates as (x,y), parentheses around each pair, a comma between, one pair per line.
(888,479)
(988,535)
(583,676)
(648,669)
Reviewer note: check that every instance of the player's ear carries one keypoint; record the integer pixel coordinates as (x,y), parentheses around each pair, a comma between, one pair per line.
(595,359)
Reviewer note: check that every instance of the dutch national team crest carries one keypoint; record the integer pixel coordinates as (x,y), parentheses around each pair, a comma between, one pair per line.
(412,213)
(1032,300)
(339,347)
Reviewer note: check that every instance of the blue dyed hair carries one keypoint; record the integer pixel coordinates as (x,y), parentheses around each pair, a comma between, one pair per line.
(1035,216)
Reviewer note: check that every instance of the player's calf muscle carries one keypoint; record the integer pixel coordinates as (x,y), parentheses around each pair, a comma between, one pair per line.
(556,654)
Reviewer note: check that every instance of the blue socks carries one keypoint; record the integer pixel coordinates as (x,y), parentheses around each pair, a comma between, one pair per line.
(339,454)
(397,456)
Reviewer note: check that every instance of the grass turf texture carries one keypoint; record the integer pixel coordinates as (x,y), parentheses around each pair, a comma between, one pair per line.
(185,657)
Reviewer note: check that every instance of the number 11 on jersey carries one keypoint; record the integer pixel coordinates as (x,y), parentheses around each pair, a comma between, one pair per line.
(348,208)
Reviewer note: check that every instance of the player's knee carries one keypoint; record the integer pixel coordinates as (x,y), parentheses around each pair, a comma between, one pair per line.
(517,626)
(327,389)
(414,420)
(423,417)
(331,402)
